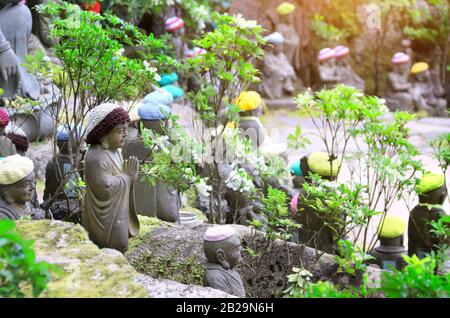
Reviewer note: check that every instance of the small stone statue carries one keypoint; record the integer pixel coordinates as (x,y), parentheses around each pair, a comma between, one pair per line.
(344,70)
(222,248)
(18,137)
(291,44)
(390,253)
(250,125)
(159,200)
(41,23)
(15,29)
(17,188)
(327,68)
(109,213)
(278,73)
(398,95)
(432,193)
(55,171)
(435,74)
(314,232)
(423,92)
(7,148)
(175,25)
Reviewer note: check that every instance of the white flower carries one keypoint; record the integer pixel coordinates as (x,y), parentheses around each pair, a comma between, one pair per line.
(203,188)
(240,181)
(152,70)
(243,23)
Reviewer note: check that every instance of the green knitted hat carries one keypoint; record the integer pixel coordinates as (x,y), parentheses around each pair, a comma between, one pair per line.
(429,182)
(319,162)
(393,226)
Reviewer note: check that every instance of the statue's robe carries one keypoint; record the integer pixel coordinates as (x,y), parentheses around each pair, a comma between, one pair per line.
(291,45)
(398,93)
(109,213)
(157,200)
(8,211)
(7,148)
(228,281)
(349,77)
(15,27)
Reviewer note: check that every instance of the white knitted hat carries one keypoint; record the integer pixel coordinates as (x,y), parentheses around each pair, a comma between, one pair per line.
(219,233)
(400,58)
(173,24)
(342,51)
(10,129)
(326,54)
(15,168)
(275,38)
(97,114)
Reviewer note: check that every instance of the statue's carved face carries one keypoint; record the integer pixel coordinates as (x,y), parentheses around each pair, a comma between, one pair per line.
(277,48)
(22,191)
(402,68)
(116,137)
(233,251)
(423,77)
(341,61)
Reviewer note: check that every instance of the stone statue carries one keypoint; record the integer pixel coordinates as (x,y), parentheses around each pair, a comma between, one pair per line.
(314,232)
(109,213)
(435,75)
(389,254)
(160,200)
(175,25)
(327,68)
(41,23)
(423,93)
(432,193)
(222,248)
(15,29)
(278,73)
(398,96)
(344,70)
(7,147)
(285,26)
(56,170)
(17,188)
(250,125)
(18,138)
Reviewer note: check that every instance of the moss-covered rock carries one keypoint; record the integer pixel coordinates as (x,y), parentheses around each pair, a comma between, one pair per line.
(86,270)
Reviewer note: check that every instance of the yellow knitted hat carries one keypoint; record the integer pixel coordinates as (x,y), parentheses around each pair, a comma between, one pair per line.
(319,162)
(429,182)
(419,68)
(393,226)
(285,8)
(248,100)
(15,168)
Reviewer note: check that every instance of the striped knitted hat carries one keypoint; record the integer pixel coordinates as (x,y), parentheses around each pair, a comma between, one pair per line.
(341,51)
(326,54)
(173,23)
(15,168)
(102,119)
(4,118)
(400,58)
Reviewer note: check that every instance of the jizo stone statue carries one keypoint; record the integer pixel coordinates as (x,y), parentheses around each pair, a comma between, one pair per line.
(399,95)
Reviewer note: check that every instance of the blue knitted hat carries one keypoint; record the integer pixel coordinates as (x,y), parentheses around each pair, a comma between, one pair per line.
(296,169)
(62,133)
(168,79)
(175,91)
(155,106)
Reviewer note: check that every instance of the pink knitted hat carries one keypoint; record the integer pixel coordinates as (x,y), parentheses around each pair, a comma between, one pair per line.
(219,233)
(173,24)
(326,54)
(400,58)
(4,118)
(341,51)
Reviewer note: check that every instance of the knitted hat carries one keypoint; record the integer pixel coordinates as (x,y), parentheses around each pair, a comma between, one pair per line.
(173,23)
(419,68)
(275,38)
(18,137)
(102,119)
(341,51)
(326,54)
(319,162)
(168,79)
(393,226)
(94,7)
(175,91)
(15,168)
(248,100)
(285,8)
(155,106)
(4,118)
(296,169)
(219,233)
(429,182)
(400,58)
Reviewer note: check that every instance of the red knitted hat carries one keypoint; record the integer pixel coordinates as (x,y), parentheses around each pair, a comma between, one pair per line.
(4,118)
(117,116)
(21,142)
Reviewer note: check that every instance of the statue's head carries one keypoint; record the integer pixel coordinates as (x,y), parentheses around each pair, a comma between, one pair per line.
(107,126)
(18,137)
(222,246)
(400,62)
(249,102)
(421,72)
(17,180)
(155,110)
(321,164)
(174,25)
(431,188)
(4,120)
(342,54)
(390,230)
(275,42)
(327,57)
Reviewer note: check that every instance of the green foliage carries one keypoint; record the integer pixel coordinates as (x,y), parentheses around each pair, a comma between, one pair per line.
(324,290)
(328,33)
(299,281)
(417,280)
(351,259)
(18,266)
